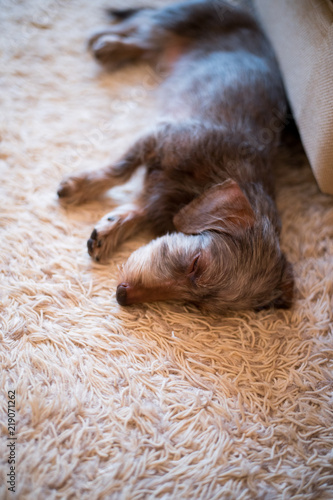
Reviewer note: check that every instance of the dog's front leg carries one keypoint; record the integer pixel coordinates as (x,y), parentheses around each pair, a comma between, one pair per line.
(113,229)
(88,185)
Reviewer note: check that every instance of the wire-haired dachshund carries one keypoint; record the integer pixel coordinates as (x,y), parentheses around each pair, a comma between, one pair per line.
(208,191)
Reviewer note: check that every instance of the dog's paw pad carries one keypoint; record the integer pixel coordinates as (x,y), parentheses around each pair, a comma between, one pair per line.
(99,242)
(92,245)
(111,230)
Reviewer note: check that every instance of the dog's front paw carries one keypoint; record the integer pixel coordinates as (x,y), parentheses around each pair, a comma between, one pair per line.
(83,187)
(73,190)
(103,239)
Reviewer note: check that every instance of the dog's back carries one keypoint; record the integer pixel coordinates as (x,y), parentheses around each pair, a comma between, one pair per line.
(222,107)
(227,72)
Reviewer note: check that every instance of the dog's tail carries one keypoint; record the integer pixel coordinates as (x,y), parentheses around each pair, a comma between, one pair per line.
(122,14)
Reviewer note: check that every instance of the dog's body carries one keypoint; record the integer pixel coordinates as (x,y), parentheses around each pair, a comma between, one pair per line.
(208,186)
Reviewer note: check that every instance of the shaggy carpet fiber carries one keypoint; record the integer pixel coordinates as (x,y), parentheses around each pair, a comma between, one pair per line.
(152,401)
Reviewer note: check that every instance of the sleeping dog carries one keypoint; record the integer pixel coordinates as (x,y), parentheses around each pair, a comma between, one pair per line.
(208,192)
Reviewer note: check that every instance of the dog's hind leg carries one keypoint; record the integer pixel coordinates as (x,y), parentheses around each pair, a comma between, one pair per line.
(134,37)
(89,185)
(148,34)
(114,51)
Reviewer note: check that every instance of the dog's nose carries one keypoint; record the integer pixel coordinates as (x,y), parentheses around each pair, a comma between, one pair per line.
(121,294)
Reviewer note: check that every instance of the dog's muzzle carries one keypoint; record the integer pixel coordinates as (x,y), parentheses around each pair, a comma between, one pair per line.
(121,294)
(128,294)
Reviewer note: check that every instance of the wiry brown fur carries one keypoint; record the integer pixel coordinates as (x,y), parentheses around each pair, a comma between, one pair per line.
(208,185)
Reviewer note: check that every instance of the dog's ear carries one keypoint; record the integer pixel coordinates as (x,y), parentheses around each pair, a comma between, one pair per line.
(223,208)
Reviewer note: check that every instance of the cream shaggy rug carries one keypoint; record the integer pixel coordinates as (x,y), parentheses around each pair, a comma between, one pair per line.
(153,401)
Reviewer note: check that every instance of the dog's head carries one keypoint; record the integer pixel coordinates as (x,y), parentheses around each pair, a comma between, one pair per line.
(224,256)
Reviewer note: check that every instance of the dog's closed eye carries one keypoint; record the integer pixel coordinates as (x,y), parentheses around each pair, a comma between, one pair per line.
(193,268)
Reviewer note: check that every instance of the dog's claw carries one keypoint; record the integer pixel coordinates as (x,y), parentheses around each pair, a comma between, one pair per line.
(105,237)
(99,241)
(90,245)
(94,243)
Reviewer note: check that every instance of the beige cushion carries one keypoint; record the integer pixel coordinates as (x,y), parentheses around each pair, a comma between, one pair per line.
(301,32)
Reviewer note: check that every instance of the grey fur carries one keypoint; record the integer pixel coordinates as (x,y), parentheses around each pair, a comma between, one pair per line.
(222,111)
